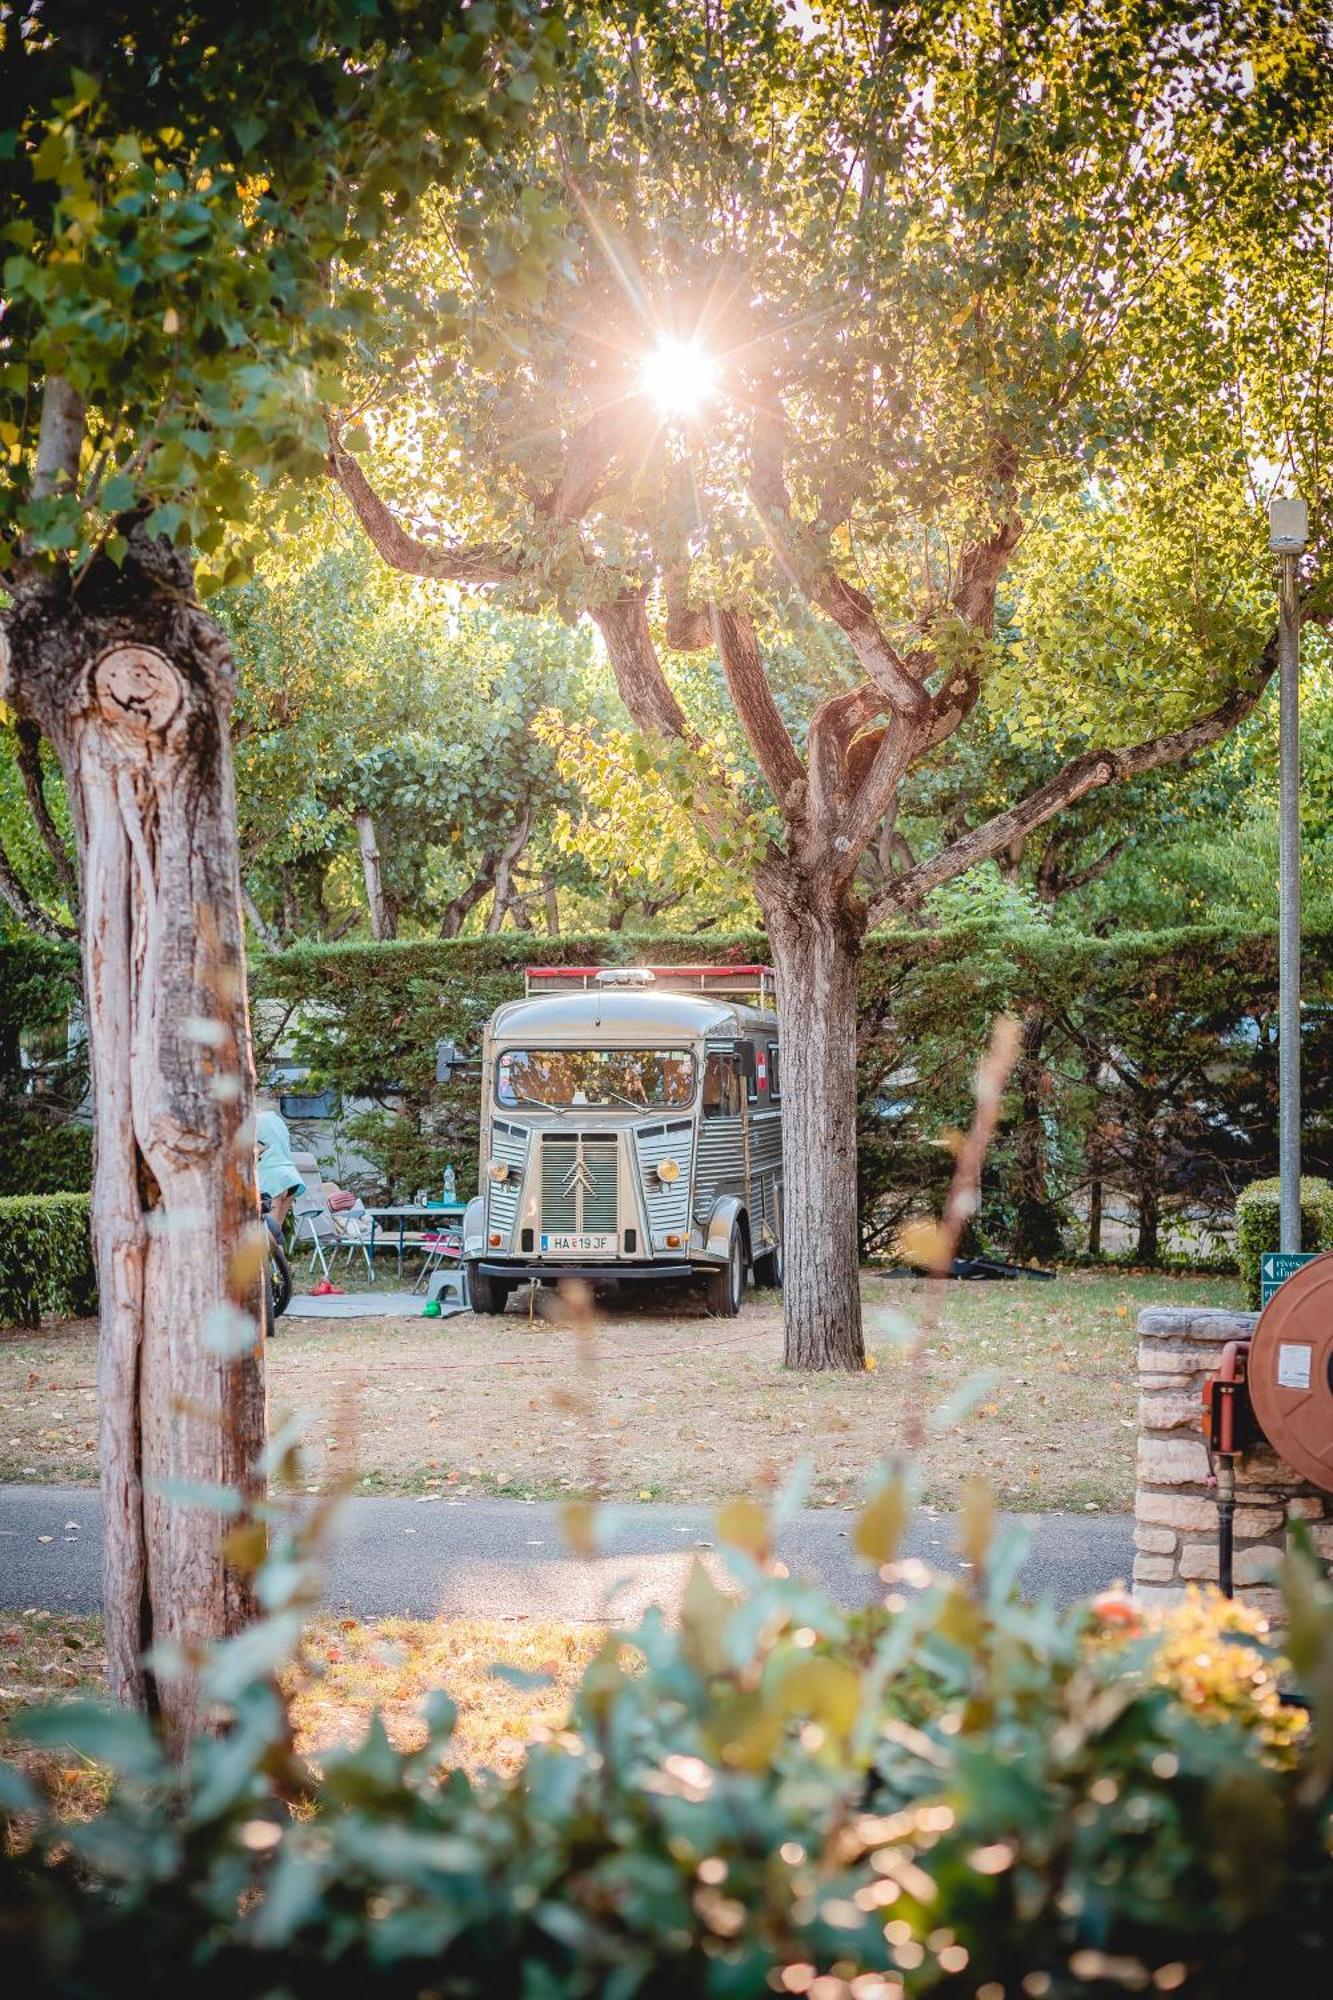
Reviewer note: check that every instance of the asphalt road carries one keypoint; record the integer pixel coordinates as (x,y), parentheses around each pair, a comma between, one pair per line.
(509,1559)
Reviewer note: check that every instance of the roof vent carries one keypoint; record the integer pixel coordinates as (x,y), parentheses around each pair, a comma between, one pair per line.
(625,975)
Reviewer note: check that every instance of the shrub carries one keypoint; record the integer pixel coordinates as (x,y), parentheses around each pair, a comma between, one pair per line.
(46,1264)
(1257,1210)
(975,1795)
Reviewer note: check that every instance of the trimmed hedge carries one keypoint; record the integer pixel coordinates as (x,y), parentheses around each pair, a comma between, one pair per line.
(46,1263)
(957,1794)
(1257,1216)
(1154,1073)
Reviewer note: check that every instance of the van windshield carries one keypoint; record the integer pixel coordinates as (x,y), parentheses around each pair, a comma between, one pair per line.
(562,1077)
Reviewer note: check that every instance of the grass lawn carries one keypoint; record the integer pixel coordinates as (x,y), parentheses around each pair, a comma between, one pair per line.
(670,1404)
(347,1668)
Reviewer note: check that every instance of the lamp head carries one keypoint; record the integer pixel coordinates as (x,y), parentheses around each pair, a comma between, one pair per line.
(1288,525)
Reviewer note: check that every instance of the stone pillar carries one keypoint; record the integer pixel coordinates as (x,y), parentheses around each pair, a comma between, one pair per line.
(1175,1506)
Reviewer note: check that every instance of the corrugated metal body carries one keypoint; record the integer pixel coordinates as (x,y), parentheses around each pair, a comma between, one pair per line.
(668,1202)
(720,1166)
(717,1167)
(510,1144)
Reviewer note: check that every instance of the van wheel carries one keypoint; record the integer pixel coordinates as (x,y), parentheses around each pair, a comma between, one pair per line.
(486,1295)
(768,1269)
(724,1289)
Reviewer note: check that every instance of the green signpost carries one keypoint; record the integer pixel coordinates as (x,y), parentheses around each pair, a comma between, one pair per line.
(1276,1266)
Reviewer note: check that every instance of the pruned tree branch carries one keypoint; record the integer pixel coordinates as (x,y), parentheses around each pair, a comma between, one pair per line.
(507,860)
(854,830)
(644,688)
(59,438)
(851,609)
(28,757)
(26,907)
(1084,774)
(486,562)
(1053,881)
(759,714)
(688,629)
(832,727)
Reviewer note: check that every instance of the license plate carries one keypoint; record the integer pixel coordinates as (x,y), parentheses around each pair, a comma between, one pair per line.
(567,1243)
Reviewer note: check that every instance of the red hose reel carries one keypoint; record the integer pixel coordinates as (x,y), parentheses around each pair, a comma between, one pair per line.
(1291,1372)
(1278,1385)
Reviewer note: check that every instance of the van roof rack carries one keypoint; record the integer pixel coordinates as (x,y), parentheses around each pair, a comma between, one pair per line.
(754,983)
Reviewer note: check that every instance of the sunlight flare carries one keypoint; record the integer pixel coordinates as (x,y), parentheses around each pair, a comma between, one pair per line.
(680,376)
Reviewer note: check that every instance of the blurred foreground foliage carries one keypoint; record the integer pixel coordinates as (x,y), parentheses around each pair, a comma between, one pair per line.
(959,1793)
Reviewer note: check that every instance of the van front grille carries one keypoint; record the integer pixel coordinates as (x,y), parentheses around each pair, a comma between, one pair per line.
(579,1182)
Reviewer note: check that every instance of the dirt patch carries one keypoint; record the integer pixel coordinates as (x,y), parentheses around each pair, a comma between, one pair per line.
(676,1406)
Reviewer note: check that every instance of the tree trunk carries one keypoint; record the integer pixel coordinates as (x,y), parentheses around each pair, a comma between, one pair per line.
(1037,1226)
(816,946)
(132,685)
(510,855)
(381,917)
(1149,1202)
(460,908)
(1095,1158)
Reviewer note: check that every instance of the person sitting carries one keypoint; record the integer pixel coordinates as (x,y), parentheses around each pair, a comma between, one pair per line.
(279,1178)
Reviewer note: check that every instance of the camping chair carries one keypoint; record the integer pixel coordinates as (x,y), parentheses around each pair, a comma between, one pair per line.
(355,1230)
(314,1226)
(444,1244)
(327,1231)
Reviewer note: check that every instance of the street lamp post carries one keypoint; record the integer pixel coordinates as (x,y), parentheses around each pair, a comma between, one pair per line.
(1288,530)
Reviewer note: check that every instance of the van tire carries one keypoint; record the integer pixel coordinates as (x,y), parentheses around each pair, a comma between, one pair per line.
(724,1289)
(486,1294)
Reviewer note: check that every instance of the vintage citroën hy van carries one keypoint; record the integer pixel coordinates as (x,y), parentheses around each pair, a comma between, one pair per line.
(631,1128)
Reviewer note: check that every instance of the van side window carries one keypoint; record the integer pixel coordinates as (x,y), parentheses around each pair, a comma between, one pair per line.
(774,1072)
(722,1086)
(749,1070)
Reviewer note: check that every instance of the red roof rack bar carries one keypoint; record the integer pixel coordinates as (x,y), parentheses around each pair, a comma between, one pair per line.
(733,979)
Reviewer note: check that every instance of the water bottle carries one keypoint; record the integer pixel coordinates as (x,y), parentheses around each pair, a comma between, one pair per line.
(450,1185)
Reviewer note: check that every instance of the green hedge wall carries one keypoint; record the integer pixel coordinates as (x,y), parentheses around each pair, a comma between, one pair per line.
(1149,1072)
(1257,1213)
(46,1266)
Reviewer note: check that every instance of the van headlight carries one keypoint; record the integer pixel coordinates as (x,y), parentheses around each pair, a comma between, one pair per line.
(668,1171)
(499,1172)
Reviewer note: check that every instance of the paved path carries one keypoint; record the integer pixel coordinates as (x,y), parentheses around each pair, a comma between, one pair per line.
(508,1559)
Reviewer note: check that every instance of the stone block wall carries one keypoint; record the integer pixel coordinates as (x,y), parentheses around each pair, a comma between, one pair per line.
(1175,1505)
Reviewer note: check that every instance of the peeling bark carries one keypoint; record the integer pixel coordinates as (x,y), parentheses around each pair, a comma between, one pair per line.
(132,684)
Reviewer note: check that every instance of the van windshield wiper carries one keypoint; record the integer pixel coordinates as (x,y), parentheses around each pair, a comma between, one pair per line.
(634,1103)
(526,1097)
